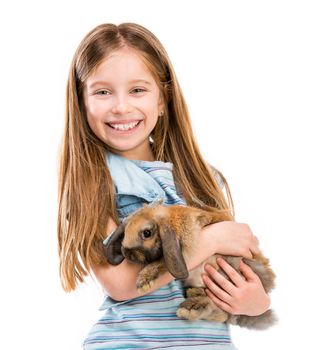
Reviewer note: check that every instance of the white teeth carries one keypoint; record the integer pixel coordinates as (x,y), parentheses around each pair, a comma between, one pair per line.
(128,126)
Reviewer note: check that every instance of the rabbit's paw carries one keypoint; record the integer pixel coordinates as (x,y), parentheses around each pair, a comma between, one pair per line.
(147,276)
(195,292)
(201,308)
(144,284)
(193,308)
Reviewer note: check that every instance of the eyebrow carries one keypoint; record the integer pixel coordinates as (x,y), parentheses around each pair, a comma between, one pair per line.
(103,82)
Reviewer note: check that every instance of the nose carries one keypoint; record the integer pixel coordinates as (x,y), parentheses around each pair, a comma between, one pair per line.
(121,105)
(134,254)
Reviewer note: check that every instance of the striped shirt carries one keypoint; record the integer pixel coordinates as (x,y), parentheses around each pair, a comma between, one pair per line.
(150,321)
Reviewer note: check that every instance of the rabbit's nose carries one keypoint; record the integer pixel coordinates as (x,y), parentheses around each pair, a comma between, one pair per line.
(134,255)
(153,254)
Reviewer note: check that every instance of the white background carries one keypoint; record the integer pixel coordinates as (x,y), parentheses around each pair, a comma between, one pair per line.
(250,73)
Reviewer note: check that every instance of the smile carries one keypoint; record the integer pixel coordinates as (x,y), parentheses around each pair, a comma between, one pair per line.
(124,127)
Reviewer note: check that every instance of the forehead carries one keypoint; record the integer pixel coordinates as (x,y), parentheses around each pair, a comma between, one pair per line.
(122,65)
(140,224)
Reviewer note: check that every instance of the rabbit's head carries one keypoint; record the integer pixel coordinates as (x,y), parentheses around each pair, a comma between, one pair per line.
(147,236)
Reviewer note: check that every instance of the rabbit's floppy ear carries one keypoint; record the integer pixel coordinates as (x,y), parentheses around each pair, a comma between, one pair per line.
(172,253)
(113,244)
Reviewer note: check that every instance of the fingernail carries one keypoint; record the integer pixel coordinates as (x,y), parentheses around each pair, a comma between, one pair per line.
(209,267)
(219,260)
(206,278)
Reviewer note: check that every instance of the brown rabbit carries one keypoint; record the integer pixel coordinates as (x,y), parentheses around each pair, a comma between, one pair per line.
(161,237)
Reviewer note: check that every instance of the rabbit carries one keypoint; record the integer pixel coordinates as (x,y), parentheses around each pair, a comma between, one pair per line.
(161,237)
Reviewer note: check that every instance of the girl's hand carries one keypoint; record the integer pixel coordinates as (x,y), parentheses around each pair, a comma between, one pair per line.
(242,295)
(233,238)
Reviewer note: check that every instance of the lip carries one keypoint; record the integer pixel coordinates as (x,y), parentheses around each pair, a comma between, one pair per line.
(124,132)
(126,121)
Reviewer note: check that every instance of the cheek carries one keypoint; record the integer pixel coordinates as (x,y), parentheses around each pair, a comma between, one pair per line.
(152,111)
(95,110)
(95,121)
(92,122)
(95,114)
(150,106)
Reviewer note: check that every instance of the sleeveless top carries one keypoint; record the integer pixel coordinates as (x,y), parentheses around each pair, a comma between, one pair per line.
(150,321)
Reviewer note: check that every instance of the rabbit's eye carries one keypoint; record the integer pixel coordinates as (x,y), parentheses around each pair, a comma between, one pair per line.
(146,234)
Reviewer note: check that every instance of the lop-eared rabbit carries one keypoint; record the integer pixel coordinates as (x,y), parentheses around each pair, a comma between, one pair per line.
(161,237)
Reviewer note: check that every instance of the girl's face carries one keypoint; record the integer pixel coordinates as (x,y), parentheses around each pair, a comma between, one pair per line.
(123,102)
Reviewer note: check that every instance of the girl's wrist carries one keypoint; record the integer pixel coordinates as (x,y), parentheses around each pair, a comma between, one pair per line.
(209,239)
(200,251)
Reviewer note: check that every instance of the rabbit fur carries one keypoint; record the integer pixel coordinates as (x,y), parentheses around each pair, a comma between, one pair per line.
(161,238)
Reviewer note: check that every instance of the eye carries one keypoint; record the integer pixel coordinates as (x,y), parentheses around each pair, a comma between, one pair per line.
(146,234)
(138,91)
(102,92)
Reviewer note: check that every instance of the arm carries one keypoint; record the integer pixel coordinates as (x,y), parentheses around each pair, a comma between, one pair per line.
(119,281)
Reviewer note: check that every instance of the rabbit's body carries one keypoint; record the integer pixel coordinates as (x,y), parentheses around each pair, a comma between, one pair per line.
(162,238)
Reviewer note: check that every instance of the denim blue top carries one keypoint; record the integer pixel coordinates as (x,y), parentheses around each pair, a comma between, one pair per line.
(138,182)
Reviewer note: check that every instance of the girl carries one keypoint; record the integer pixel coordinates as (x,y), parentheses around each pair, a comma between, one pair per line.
(128,141)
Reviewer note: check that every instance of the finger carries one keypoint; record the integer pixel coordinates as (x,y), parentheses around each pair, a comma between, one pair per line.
(226,285)
(233,275)
(216,290)
(247,272)
(221,304)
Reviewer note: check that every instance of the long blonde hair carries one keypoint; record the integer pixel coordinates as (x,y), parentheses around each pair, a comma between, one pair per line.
(86,194)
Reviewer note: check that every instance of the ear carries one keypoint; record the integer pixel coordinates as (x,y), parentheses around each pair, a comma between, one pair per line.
(113,245)
(161,102)
(172,253)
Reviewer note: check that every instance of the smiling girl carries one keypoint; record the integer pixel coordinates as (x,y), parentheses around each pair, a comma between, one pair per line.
(128,141)
(123,102)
